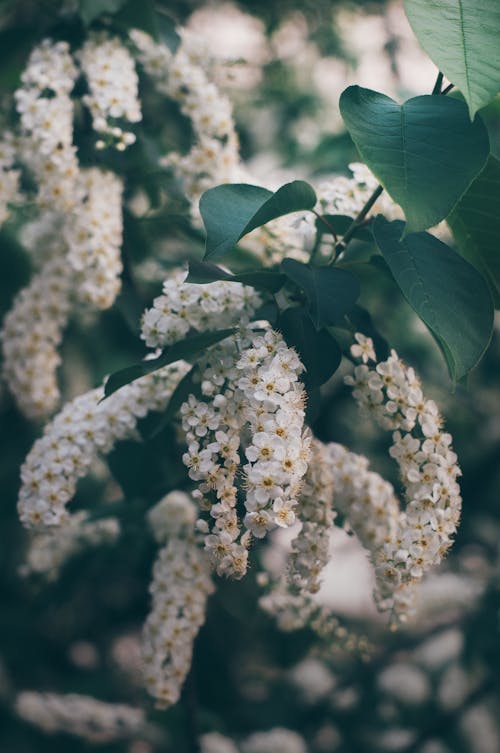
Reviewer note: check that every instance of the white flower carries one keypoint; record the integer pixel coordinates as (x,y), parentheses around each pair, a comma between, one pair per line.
(86,717)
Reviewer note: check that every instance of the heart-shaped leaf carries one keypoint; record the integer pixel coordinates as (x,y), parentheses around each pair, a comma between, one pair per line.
(475,223)
(318,351)
(185,349)
(231,211)
(425,152)
(461,37)
(447,292)
(331,293)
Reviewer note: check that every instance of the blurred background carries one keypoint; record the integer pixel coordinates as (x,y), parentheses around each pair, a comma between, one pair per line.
(432,687)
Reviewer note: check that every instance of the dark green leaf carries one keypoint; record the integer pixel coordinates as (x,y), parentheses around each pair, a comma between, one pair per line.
(318,351)
(362,322)
(167,32)
(185,349)
(331,293)
(447,293)
(231,211)
(203,272)
(92,9)
(138,15)
(154,423)
(425,152)
(461,37)
(340,223)
(475,223)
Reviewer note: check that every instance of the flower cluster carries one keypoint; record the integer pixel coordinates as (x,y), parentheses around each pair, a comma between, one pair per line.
(180,587)
(72,440)
(84,716)
(49,550)
(112,80)
(46,110)
(32,331)
(251,397)
(214,158)
(310,548)
(368,503)
(94,238)
(186,76)
(9,176)
(76,239)
(186,306)
(392,393)
(290,599)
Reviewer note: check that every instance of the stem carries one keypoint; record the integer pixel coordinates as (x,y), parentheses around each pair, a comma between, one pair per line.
(325,222)
(359,219)
(438,84)
(448,89)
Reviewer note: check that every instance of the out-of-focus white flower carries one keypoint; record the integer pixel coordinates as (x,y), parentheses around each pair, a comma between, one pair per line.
(79,715)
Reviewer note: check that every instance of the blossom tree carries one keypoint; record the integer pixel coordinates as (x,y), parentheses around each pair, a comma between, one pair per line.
(197,362)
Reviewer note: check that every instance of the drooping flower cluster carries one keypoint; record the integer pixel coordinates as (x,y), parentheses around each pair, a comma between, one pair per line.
(112,80)
(187,77)
(46,110)
(9,175)
(251,398)
(71,442)
(84,716)
(49,550)
(310,548)
(392,393)
(214,157)
(94,238)
(31,334)
(290,599)
(80,260)
(186,306)
(180,587)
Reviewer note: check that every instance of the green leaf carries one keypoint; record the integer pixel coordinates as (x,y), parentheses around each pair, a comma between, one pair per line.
(154,423)
(425,152)
(318,351)
(202,272)
(185,349)
(92,9)
(447,292)
(231,211)
(475,223)
(461,37)
(167,32)
(340,223)
(331,293)
(362,322)
(139,15)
